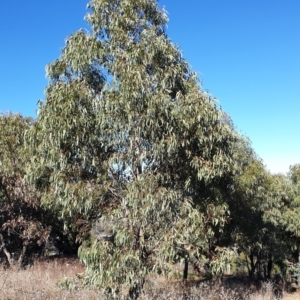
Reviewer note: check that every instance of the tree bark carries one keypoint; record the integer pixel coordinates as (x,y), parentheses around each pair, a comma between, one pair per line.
(298,250)
(270,267)
(186,269)
(7,254)
(22,255)
(251,268)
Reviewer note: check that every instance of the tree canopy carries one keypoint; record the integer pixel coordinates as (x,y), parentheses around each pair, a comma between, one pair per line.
(23,223)
(133,159)
(127,133)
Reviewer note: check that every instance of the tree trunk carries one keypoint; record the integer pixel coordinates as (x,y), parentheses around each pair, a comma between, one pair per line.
(186,269)
(298,250)
(251,268)
(270,267)
(21,257)
(7,254)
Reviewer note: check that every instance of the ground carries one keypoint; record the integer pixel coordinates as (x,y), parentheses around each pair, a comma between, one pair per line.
(52,280)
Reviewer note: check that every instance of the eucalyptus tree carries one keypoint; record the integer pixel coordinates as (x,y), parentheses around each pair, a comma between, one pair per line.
(22,223)
(127,134)
(284,210)
(254,194)
(246,226)
(291,213)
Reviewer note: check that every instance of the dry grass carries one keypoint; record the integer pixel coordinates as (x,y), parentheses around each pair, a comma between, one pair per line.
(41,282)
(238,290)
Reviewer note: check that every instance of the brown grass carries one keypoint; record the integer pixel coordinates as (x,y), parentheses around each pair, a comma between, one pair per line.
(208,290)
(41,281)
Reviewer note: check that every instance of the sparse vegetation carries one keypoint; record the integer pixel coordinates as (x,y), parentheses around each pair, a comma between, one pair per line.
(60,279)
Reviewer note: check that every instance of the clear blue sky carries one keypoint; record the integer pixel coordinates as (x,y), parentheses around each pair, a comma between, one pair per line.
(247,55)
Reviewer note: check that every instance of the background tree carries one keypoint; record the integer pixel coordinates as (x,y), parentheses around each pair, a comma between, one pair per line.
(21,224)
(284,212)
(126,133)
(27,230)
(252,194)
(291,212)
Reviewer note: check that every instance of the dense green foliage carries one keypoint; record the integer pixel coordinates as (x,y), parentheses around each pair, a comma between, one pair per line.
(139,163)
(25,226)
(18,203)
(126,132)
